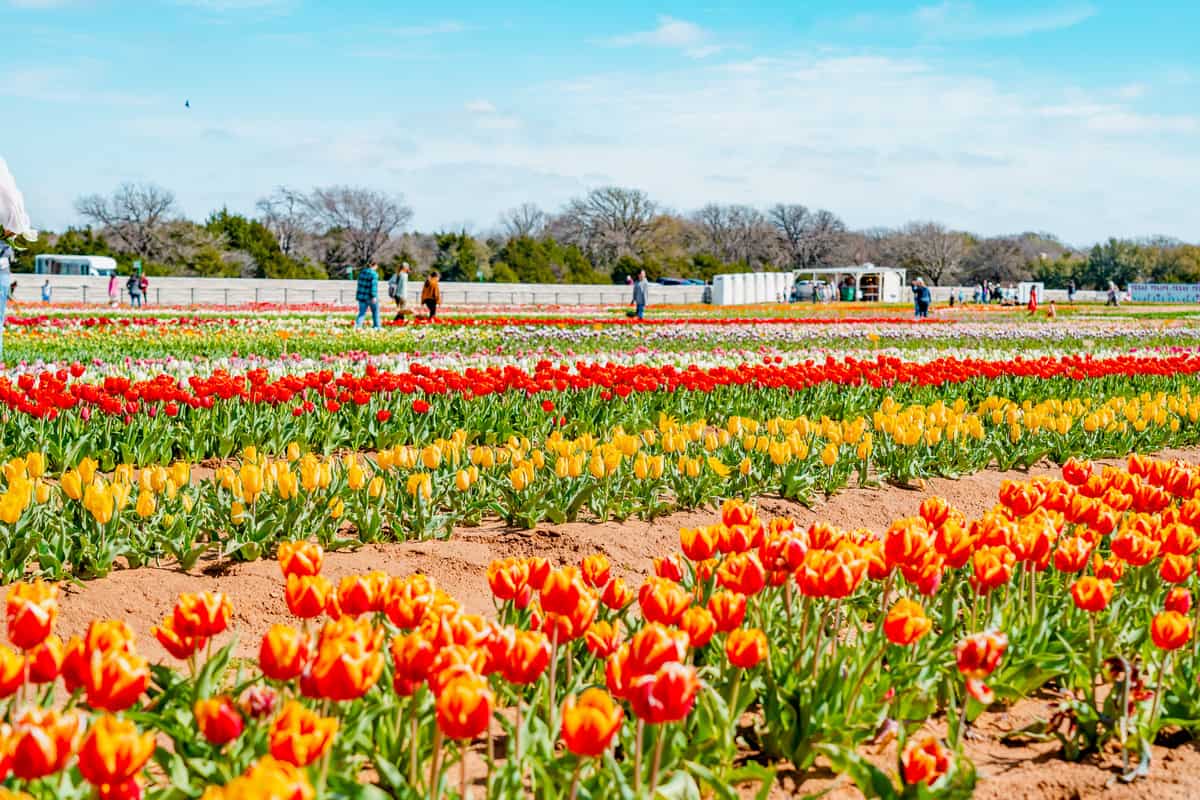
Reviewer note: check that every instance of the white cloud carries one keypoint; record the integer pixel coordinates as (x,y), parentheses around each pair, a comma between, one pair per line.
(480,107)
(953,19)
(433,29)
(674,34)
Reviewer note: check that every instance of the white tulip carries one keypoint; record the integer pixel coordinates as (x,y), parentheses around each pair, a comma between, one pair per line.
(13,219)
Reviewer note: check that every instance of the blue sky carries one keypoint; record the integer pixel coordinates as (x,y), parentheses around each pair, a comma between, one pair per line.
(1079,118)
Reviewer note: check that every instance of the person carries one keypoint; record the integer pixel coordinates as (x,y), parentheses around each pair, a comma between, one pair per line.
(431,294)
(366,292)
(46,291)
(640,290)
(134,287)
(114,296)
(1071,292)
(1032,299)
(1051,311)
(144,285)
(915,286)
(398,290)
(924,298)
(1112,295)
(7,254)
(984,293)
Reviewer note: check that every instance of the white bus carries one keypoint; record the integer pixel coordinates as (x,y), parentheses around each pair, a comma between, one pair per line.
(74,265)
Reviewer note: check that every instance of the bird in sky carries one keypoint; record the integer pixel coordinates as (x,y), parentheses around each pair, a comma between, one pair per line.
(187,103)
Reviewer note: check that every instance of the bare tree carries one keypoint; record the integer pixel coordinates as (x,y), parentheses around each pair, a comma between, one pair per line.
(811,236)
(1000,258)
(134,215)
(734,233)
(361,219)
(524,220)
(609,222)
(286,214)
(935,249)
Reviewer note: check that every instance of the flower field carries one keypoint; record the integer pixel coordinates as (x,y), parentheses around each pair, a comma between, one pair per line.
(265,556)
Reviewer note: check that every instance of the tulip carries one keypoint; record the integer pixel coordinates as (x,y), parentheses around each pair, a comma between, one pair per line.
(1170,630)
(113,753)
(362,594)
(1175,568)
(601,639)
(31,610)
(924,760)
(1091,594)
(12,672)
(736,512)
(42,742)
(406,601)
(412,657)
(906,622)
(742,573)
(299,736)
(308,595)
(663,601)
(115,679)
(1178,599)
(45,661)
(616,595)
(527,658)
(668,568)
(596,570)
(507,578)
(464,707)
(653,646)
(666,695)
(590,723)
(283,654)
(204,615)
(258,702)
(300,558)
(699,625)
(179,646)
(218,719)
(728,610)
(746,647)
(698,544)
(348,660)
(978,655)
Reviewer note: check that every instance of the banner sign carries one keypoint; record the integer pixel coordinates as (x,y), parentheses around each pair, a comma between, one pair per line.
(1164,292)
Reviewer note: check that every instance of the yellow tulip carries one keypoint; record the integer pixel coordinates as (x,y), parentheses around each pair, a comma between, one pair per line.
(829,455)
(87,470)
(35,464)
(237,513)
(431,457)
(42,490)
(72,484)
(462,480)
(420,484)
(145,505)
(293,451)
(355,477)
(336,508)
(375,487)
(251,477)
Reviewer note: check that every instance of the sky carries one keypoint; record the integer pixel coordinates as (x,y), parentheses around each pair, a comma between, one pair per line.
(1077,118)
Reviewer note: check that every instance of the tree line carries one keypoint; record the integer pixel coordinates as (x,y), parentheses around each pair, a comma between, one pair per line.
(602,236)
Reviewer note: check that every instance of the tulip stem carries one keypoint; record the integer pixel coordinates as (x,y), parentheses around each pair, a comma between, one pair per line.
(1091,658)
(435,774)
(862,677)
(491,756)
(575,780)
(637,757)
(413,743)
(962,721)
(1161,689)
(462,772)
(553,670)
(658,749)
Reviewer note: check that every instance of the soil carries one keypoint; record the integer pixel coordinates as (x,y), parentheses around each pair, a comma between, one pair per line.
(144,596)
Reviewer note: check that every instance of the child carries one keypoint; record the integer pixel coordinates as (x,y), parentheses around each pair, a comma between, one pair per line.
(1051,311)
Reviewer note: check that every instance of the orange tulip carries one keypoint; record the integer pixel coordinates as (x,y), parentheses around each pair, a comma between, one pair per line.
(924,760)
(412,656)
(115,679)
(299,736)
(736,512)
(954,543)
(508,578)
(269,779)
(906,622)
(619,673)
(1170,630)
(407,600)
(31,610)
(204,615)
(992,568)
(453,662)
(616,595)
(284,652)
(527,658)
(669,568)
(1021,497)
(1076,472)
(663,601)
(935,511)
(113,752)
(746,647)
(464,707)
(179,646)
(308,595)
(698,544)
(1072,554)
(1175,568)
(590,723)
(218,719)
(362,594)
(698,623)
(12,672)
(596,570)
(1134,548)
(42,742)
(601,639)
(978,655)
(300,558)
(742,573)
(348,661)
(1091,594)
(906,541)
(563,591)
(728,610)
(667,695)
(1178,599)
(45,660)
(653,646)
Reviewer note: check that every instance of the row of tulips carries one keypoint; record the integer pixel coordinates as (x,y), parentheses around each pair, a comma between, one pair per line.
(160,418)
(83,521)
(796,643)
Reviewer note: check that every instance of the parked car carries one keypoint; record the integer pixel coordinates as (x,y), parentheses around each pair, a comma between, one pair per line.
(804,291)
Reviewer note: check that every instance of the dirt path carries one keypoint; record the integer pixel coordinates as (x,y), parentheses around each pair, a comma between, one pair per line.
(144,596)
